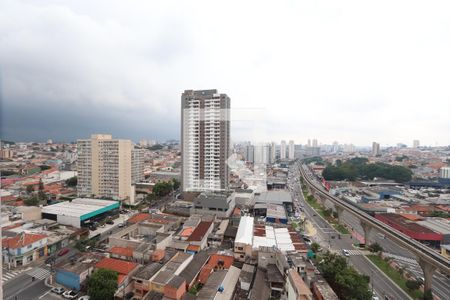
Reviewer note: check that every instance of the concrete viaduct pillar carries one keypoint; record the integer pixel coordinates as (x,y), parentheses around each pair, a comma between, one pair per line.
(367,229)
(339,211)
(428,270)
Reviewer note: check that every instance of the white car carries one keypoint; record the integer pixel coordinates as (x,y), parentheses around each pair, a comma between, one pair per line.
(84,297)
(70,294)
(345,252)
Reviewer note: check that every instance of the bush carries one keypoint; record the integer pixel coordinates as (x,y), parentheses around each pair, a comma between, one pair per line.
(413,285)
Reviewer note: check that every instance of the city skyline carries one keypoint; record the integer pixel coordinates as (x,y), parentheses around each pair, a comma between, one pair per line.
(117,68)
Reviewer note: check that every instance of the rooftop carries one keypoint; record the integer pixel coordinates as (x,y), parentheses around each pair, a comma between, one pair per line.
(21,240)
(120,266)
(80,207)
(199,232)
(148,271)
(245,230)
(274,197)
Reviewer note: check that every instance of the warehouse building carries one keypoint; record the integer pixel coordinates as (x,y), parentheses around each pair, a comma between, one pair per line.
(80,212)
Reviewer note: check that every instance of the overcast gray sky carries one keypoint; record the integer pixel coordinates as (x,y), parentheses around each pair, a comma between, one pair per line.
(347,71)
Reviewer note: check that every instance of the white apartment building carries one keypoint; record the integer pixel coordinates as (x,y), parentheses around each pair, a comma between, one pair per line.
(205,140)
(283,150)
(291,149)
(137,165)
(376,149)
(105,167)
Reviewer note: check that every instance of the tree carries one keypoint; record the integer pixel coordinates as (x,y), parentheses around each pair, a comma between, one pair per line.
(73,181)
(428,295)
(161,189)
(375,248)
(102,284)
(343,279)
(412,285)
(32,201)
(30,189)
(315,247)
(175,183)
(44,167)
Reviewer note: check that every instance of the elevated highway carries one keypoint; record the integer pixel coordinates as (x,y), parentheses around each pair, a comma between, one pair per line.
(428,259)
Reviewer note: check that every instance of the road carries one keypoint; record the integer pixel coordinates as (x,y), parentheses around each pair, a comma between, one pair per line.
(328,237)
(22,287)
(406,259)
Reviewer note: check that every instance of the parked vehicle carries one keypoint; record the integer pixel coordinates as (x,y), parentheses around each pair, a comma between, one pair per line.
(58,290)
(110,222)
(121,225)
(84,297)
(63,251)
(70,294)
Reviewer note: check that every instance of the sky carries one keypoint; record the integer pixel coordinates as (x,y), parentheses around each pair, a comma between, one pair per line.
(346,71)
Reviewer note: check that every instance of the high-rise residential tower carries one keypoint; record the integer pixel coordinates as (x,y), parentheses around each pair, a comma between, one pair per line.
(376,149)
(291,149)
(106,168)
(205,140)
(283,150)
(416,144)
(273,152)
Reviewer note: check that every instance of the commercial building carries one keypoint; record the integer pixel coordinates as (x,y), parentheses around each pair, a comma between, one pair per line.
(416,144)
(105,167)
(291,149)
(218,204)
(283,150)
(137,165)
(205,140)
(80,211)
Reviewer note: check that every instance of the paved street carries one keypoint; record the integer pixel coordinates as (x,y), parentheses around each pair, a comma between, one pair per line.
(329,239)
(441,284)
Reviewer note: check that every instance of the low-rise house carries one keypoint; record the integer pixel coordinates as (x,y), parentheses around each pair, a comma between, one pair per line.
(125,269)
(175,288)
(199,236)
(191,272)
(296,288)
(73,275)
(23,248)
(321,290)
(142,277)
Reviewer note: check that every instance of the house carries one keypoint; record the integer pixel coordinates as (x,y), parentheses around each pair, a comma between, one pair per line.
(73,275)
(175,288)
(296,288)
(125,269)
(24,248)
(172,268)
(199,236)
(142,277)
(191,272)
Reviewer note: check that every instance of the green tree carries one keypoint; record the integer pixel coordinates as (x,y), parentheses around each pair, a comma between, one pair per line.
(30,189)
(343,279)
(175,183)
(73,181)
(161,189)
(102,284)
(32,201)
(428,295)
(412,285)
(375,248)
(315,247)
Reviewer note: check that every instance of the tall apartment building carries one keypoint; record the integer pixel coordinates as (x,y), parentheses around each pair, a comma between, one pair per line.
(249,153)
(315,144)
(416,144)
(137,165)
(205,140)
(105,167)
(273,152)
(291,149)
(283,150)
(376,149)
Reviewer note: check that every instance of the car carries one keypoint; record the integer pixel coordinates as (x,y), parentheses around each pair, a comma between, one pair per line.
(121,225)
(110,222)
(86,297)
(102,226)
(70,294)
(345,252)
(58,290)
(63,251)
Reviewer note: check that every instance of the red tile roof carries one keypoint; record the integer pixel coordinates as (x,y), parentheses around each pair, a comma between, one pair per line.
(22,240)
(139,218)
(199,232)
(193,248)
(122,251)
(120,266)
